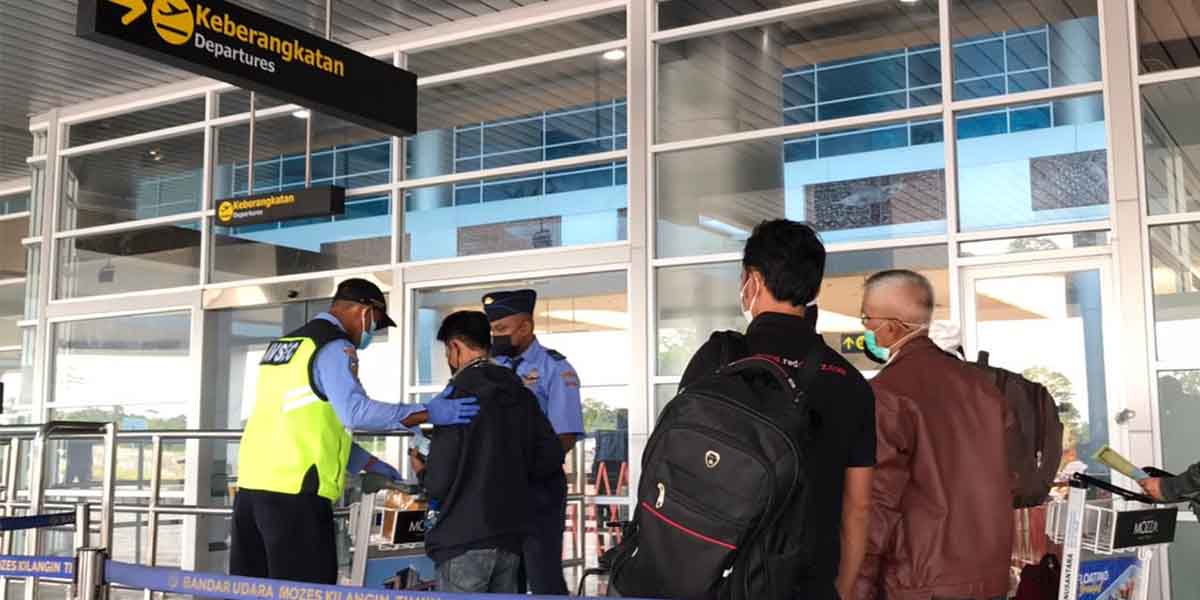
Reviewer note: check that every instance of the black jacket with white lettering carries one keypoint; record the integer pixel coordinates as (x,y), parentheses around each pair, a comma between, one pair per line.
(481,474)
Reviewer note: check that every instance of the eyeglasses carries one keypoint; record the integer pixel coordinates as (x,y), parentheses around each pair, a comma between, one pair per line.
(866,318)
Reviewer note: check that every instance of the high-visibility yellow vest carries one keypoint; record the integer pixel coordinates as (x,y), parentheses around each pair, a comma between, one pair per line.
(294,442)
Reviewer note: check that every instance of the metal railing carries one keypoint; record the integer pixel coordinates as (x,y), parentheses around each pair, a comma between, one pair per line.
(33,498)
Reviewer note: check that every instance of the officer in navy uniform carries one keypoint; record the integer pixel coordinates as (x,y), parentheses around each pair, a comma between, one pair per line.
(554,381)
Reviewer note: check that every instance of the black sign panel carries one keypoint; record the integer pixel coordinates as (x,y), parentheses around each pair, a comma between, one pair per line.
(1145,527)
(853,343)
(281,206)
(410,527)
(222,40)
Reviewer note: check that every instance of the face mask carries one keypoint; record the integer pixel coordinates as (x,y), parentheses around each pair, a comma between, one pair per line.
(747,312)
(367,333)
(878,353)
(502,346)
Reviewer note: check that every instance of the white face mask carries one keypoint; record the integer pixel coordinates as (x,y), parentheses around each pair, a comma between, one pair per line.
(747,312)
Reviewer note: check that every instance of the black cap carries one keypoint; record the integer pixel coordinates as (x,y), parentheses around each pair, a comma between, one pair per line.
(364,292)
(498,305)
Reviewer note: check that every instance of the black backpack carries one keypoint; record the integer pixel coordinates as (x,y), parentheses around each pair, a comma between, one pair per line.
(722,492)
(1034,445)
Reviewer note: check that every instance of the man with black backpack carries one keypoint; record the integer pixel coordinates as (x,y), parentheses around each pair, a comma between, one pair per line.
(756,481)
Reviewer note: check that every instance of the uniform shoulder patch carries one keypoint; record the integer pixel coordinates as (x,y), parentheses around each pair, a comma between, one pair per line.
(556,355)
(570,379)
(352,354)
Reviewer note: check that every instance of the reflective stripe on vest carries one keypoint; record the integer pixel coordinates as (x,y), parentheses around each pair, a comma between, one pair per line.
(292,429)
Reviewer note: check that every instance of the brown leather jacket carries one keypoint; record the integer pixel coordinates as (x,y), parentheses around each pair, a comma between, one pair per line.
(941,517)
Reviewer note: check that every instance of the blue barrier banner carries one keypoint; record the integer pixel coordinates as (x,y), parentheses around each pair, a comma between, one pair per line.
(60,567)
(213,585)
(37,521)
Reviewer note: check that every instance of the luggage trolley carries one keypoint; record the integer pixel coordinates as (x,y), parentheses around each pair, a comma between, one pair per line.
(380,532)
(1106,527)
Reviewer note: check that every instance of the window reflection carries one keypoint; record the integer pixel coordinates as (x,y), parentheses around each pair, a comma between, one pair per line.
(1033,164)
(1172,146)
(1167,34)
(694,301)
(1174,264)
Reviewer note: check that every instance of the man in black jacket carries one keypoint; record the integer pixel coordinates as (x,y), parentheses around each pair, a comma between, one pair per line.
(480,474)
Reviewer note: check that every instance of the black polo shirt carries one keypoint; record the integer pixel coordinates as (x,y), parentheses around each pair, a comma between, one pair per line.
(843,436)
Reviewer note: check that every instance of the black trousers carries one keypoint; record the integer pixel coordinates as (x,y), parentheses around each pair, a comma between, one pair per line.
(283,536)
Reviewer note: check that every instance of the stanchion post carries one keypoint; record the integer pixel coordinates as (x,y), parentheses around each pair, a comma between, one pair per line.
(89,574)
(83,526)
(110,484)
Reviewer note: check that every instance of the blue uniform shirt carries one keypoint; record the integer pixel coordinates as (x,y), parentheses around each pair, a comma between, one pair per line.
(553,380)
(335,374)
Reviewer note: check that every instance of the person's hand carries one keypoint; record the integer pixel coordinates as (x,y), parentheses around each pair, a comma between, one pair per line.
(381,468)
(415,461)
(1152,487)
(444,410)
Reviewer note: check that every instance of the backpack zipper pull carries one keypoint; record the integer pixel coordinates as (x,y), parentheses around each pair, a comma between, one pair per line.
(662,495)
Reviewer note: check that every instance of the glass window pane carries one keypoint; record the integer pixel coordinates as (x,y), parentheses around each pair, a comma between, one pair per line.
(359,237)
(151,179)
(1185,578)
(150,119)
(143,259)
(1066,307)
(231,156)
(1026,165)
(1179,410)
(276,141)
(585,317)
(1005,37)
(32,276)
(864,184)
(95,360)
(517,117)
(360,157)
(564,207)
(37,182)
(14,203)
(12,309)
(694,301)
(13,373)
(524,44)
(1168,34)
(1174,265)
(730,82)
(12,253)
(691,12)
(241,336)
(1041,243)
(1172,146)
(233,102)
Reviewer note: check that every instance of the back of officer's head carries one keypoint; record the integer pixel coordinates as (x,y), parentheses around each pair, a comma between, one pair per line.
(790,257)
(469,327)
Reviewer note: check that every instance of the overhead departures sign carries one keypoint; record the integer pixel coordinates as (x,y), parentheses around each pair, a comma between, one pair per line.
(219,39)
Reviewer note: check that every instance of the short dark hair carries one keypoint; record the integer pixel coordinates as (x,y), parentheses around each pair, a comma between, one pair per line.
(470,327)
(790,257)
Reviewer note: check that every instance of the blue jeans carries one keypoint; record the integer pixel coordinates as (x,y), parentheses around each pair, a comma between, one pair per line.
(480,571)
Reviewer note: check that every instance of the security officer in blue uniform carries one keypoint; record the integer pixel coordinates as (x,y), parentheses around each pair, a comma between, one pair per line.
(554,381)
(297,450)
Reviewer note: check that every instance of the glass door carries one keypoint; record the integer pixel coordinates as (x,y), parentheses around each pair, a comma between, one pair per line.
(1051,322)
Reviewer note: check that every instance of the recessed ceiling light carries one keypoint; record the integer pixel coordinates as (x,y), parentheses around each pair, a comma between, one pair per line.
(614,54)
(910,1)
(302,114)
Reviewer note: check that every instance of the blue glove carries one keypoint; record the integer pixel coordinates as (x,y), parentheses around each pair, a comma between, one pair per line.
(444,410)
(381,468)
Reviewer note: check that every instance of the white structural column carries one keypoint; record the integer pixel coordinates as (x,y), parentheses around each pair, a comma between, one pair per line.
(1133,347)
